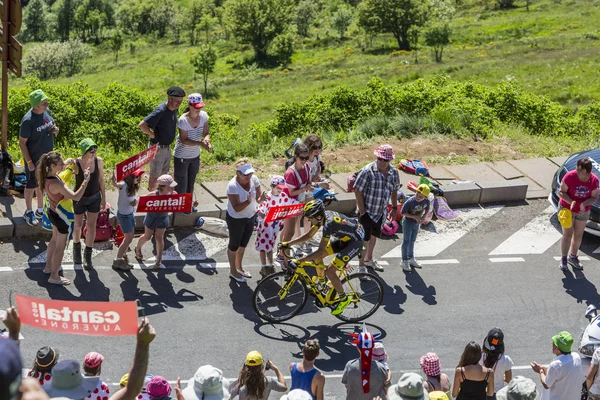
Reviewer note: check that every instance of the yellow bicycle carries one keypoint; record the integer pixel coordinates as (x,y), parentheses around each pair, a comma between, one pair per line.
(282,295)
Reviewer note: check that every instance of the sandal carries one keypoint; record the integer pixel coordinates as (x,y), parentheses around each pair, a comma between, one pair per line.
(157,266)
(139,256)
(61,281)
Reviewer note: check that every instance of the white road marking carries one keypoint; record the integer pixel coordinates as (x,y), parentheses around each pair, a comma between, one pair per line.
(537,236)
(507,259)
(431,244)
(382,263)
(435,262)
(597,250)
(197,246)
(581,258)
(99,247)
(6,269)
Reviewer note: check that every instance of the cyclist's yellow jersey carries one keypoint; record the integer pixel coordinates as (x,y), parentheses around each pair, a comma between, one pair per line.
(340,227)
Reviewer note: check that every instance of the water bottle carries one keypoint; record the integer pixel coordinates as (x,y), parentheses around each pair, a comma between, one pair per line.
(199,223)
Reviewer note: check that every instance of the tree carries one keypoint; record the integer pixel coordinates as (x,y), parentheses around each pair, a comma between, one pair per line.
(35,21)
(116,43)
(506,3)
(91,18)
(65,14)
(393,16)
(283,47)
(305,14)
(342,19)
(258,22)
(193,15)
(162,16)
(438,36)
(204,63)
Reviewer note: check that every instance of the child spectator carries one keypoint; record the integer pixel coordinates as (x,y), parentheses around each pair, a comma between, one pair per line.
(45,359)
(156,223)
(158,387)
(266,233)
(92,366)
(413,211)
(252,383)
(125,215)
(379,354)
(305,376)
(434,379)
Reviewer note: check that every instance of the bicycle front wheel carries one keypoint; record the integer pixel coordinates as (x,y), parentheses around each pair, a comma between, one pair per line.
(267,301)
(366,291)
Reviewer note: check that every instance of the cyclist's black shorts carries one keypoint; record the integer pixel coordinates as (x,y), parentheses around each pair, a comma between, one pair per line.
(346,251)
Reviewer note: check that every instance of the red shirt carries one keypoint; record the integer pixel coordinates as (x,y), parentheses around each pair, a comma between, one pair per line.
(292,180)
(579,191)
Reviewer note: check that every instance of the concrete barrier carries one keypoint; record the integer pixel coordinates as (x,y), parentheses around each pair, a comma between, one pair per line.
(7,228)
(24,230)
(462,194)
(503,191)
(204,210)
(346,203)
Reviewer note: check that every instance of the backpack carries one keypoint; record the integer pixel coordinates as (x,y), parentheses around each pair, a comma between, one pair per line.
(351,180)
(6,171)
(104,230)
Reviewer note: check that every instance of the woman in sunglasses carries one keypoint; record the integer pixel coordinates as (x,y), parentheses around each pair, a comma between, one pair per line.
(315,146)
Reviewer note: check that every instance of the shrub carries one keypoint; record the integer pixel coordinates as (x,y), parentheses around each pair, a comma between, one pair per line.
(50,60)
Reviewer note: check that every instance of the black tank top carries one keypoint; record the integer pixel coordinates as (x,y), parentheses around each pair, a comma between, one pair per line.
(93,186)
(473,390)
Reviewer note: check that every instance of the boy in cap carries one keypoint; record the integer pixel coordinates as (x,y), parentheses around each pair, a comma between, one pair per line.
(563,378)
(161,126)
(92,366)
(36,137)
(413,211)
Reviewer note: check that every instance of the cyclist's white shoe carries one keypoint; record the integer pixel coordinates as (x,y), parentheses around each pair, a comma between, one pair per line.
(406,266)
(362,269)
(413,263)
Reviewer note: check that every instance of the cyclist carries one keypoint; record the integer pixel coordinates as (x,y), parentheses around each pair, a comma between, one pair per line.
(341,235)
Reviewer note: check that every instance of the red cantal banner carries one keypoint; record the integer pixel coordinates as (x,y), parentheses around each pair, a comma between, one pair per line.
(283,212)
(166,203)
(91,318)
(126,168)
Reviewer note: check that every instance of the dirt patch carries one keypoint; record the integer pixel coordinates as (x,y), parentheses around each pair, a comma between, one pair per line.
(352,157)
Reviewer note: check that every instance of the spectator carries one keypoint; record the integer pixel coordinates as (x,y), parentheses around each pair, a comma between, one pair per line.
(252,383)
(208,383)
(297,179)
(562,379)
(158,388)
(10,369)
(520,388)
(435,380)
(315,145)
(375,184)
(472,381)
(49,166)
(243,193)
(579,189)
(266,232)
(160,126)
(493,357)
(305,376)
(297,394)
(92,366)
(36,137)
(591,382)
(439,395)
(409,387)
(126,203)
(92,201)
(193,135)
(364,377)
(144,394)
(156,223)
(45,359)
(379,354)
(68,381)
(413,210)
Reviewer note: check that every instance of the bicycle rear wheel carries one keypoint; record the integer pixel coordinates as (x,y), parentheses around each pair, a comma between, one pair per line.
(267,303)
(366,291)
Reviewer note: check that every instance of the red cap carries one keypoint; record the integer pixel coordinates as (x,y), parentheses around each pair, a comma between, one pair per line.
(93,359)
(138,172)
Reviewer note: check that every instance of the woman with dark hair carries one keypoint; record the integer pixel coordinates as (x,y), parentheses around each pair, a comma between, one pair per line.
(472,381)
(579,189)
(45,359)
(493,357)
(252,383)
(48,168)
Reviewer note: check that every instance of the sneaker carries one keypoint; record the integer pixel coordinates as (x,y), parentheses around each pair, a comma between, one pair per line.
(30,218)
(563,264)
(120,265)
(574,262)
(341,305)
(39,214)
(374,264)
(279,259)
(362,269)
(414,263)
(406,266)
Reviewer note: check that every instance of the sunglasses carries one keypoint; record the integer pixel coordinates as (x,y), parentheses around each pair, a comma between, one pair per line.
(162,186)
(317,147)
(382,160)
(303,158)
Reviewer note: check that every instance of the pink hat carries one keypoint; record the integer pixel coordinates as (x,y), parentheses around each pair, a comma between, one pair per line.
(277,180)
(379,353)
(430,364)
(158,387)
(166,180)
(385,151)
(93,359)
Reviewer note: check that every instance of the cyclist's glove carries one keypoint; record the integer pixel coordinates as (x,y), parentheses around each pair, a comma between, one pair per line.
(284,245)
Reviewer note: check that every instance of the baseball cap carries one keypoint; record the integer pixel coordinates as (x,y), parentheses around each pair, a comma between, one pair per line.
(93,359)
(563,340)
(175,91)
(166,180)
(10,369)
(124,380)
(36,97)
(423,189)
(138,172)
(438,395)
(494,341)
(254,358)
(195,100)
(86,144)
(158,387)
(277,180)
(67,381)
(246,169)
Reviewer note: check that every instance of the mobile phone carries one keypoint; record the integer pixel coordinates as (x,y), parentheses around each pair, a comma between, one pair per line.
(267,365)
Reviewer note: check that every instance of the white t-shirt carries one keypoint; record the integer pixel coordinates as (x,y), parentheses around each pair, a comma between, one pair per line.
(234,188)
(565,377)
(183,151)
(124,206)
(595,389)
(503,364)
(314,167)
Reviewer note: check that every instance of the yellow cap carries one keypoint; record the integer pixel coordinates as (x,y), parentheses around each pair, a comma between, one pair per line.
(437,395)
(124,380)
(254,358)
(565,217)
(423,189)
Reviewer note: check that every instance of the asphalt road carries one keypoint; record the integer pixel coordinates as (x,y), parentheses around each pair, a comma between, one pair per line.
(472,282)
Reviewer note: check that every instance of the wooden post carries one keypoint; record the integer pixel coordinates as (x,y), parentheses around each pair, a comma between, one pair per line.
(5,38)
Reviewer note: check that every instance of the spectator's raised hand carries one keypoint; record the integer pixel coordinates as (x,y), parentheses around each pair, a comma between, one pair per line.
(178,390)
(146,332)
(12,322)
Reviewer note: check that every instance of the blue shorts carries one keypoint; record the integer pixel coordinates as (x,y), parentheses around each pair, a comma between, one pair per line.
(158,220)
(127,222)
